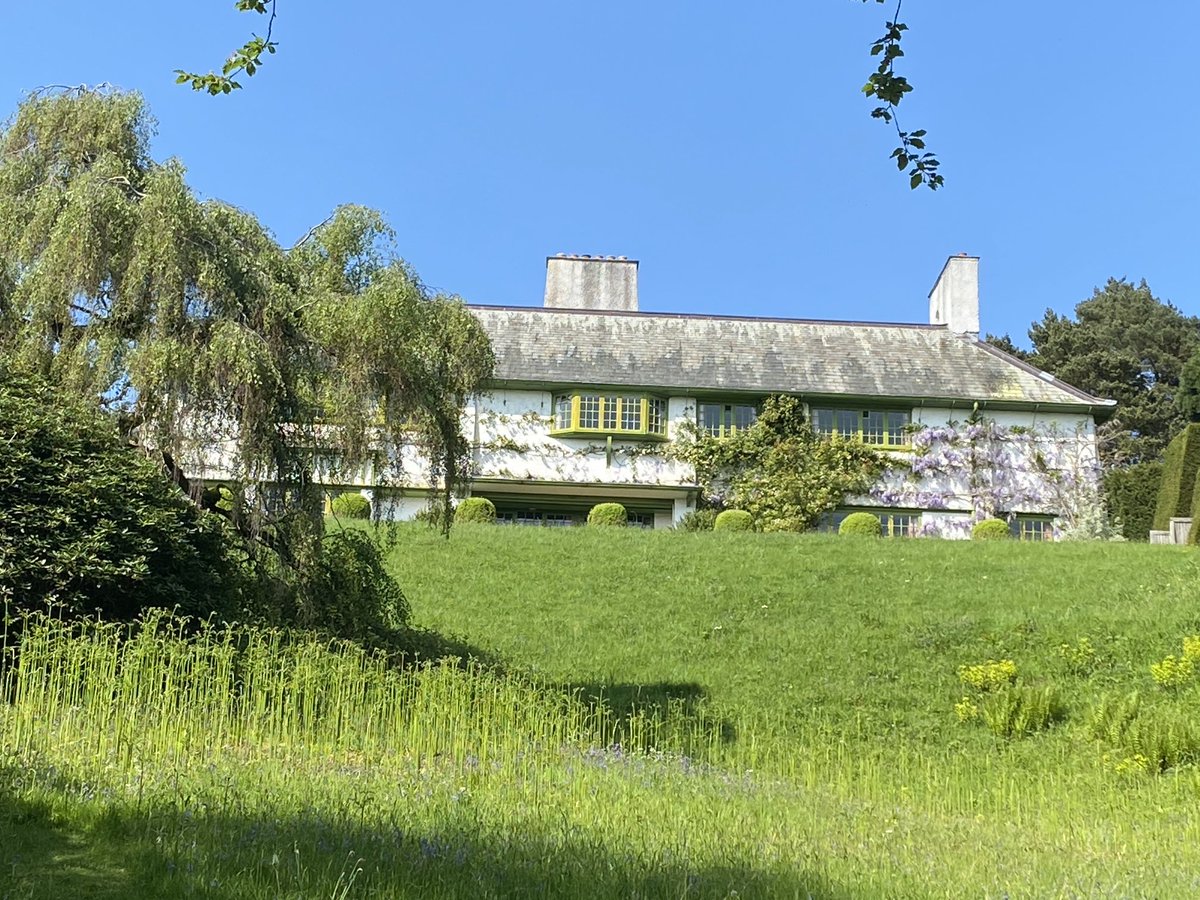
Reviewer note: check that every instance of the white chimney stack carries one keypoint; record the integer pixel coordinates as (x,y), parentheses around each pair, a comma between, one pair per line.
(592,282)
(954,300)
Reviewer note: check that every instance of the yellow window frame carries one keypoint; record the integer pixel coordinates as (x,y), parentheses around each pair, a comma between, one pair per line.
(614,406)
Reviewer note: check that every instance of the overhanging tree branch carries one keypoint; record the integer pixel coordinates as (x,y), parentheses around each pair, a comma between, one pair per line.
(247,58)
(889,88)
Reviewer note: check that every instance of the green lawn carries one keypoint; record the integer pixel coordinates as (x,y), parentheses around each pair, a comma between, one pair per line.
(786,707)
(800,629)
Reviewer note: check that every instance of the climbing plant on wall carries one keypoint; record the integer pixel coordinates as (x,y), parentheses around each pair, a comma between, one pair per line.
(779,470)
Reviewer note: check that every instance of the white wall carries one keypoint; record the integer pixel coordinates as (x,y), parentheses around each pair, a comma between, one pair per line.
(513,429)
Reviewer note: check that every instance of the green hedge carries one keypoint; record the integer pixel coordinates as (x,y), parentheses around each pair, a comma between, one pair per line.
(1194,532)
(1180,464)
(733,520)
(1132,494)
(352,505)
(478,510)
(990,530)
(861,523)
(612,514)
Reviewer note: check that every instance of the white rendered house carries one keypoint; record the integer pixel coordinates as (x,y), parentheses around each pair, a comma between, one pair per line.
(589,391)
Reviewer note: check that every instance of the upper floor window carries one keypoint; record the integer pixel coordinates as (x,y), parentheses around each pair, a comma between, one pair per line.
(881,427)
(631,415)
(724,419)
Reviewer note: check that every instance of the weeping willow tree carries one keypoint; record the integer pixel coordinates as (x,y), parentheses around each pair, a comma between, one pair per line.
(213,345)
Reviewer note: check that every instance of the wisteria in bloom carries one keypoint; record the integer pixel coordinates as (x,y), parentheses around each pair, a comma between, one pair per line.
(985,470)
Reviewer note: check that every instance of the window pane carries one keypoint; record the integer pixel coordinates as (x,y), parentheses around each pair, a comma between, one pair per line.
(711,417)
(562,411)
(744,416)
(897,425)
(657,412)
(873,428)
(631,413)
(1033,529)
(610,413)
(846,422)
(824,419)
(589,411)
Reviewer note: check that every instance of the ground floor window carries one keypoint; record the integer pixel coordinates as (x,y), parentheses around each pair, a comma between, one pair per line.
(892,523)
(565,518)
(1032,528)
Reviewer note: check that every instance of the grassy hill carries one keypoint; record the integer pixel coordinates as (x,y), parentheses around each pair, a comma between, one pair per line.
(801,629)
(797,716)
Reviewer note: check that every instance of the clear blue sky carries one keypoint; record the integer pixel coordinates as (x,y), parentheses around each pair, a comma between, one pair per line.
(725,146)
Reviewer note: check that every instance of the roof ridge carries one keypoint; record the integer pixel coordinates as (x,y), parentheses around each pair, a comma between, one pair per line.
(698,316)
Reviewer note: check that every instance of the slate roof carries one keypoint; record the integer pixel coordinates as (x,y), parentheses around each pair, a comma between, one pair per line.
(693,354)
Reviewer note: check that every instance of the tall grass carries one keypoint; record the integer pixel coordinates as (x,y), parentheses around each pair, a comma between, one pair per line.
(167,688)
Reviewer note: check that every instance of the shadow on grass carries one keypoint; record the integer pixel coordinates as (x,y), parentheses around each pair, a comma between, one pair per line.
(679,704)
(168,852)
(44,856)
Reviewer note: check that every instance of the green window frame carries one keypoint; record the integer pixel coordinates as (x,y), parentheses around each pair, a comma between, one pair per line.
(876,427)
(1033,528)
(892,522)
(724,419)
(586,413)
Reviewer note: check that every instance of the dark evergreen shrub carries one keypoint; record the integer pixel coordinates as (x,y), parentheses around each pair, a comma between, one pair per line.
(92,525)
(1132,494)
(733,520)
(479,510)
(861,523)
(990,530)
(351,505)
(608,514)
(698,520)
(1181,461)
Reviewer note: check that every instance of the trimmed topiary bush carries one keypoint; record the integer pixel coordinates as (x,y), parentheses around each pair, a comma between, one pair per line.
(1132,494)
(1181,461)
(990,530)
(609,514)
(477,510)
(351,505)
(861,523)
(698,520)
(733,520)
